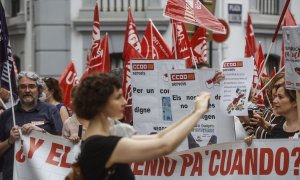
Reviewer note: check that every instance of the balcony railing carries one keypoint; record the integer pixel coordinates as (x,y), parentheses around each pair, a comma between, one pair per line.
(121,5)
(268,7)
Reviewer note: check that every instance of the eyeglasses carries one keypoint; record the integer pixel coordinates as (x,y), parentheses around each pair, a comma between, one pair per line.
(29,86)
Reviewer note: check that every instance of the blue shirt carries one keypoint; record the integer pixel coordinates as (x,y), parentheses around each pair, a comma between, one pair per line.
(44,115)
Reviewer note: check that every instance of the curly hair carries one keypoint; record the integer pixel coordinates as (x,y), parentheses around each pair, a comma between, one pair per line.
(92,94)
(52,85)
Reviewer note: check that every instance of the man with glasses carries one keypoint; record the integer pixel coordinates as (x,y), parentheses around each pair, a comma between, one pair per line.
(30,114)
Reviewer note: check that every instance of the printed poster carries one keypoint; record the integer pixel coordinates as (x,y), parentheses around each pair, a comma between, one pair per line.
(291,37)
(236,86)
(151,103)
(214,127)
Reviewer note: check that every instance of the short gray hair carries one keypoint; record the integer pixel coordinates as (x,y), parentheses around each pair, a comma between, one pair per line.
(33,76)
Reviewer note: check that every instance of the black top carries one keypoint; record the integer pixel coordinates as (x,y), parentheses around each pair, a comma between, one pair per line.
(95,152)
(278,132)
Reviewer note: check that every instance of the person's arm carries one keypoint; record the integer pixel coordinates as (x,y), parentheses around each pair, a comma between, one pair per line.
(132,150)
(64,114)
(10,141)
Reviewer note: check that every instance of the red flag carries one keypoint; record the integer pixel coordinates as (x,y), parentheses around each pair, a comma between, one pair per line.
(259,62)
(193,12)
(131,35)
(273,73)
(198,43)
(105,58)
(250,47)
(289,20)
(94,53)
(66,82)
(153,44)
(132,53)
(181,46)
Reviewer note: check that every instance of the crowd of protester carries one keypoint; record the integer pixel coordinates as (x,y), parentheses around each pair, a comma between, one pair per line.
(95,118)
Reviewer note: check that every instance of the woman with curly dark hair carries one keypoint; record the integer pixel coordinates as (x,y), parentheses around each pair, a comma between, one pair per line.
(54,96)
(104,156)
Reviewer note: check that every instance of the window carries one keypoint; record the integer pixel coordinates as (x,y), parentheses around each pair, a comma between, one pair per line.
(15,7)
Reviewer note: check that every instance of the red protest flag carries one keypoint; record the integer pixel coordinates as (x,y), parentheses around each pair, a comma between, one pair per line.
(131,53)
(105,57)
(181,43)
(250,47)
(153,45)
(198,44)
(93,53)
(67,81)
(259,61)
(193,12)
(289,20)
(131,35)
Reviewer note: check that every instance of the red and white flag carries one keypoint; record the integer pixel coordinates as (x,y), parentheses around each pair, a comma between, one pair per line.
(181,43)
(132,53)
(153,44)
(93,53)
(131,35)
(259,62)
(194,12)
(66,82)
(250,47)
(289,20)
(198,43)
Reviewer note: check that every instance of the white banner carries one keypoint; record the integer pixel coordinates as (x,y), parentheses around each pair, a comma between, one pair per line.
(266,159)
(291,36)
(236,86)
(46,157)
(214,127)
(43,156)
(149,82)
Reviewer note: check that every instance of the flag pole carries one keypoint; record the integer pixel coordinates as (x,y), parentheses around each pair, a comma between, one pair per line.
(173,37)
(273,39)
(151,31)
(3,104)
(10,92)
(266,85)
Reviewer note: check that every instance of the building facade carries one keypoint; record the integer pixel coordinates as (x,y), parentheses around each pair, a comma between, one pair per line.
(47,34)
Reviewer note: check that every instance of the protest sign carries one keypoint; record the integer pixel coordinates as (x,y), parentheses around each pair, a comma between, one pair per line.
(43,156)
(235,88)
(150,93)
(214,127)
(264,160)
(291,37)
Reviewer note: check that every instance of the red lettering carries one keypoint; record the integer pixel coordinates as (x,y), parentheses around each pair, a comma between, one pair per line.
(225,168)
(19,155)
(64,158)
(197,168)
(187,161)
(286,161)
(251,161)
(33,146)
(167,164)
(237,162)
(54,154)
(296,153)
(152,166)
(213,170)
(266,156)
(136,170)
